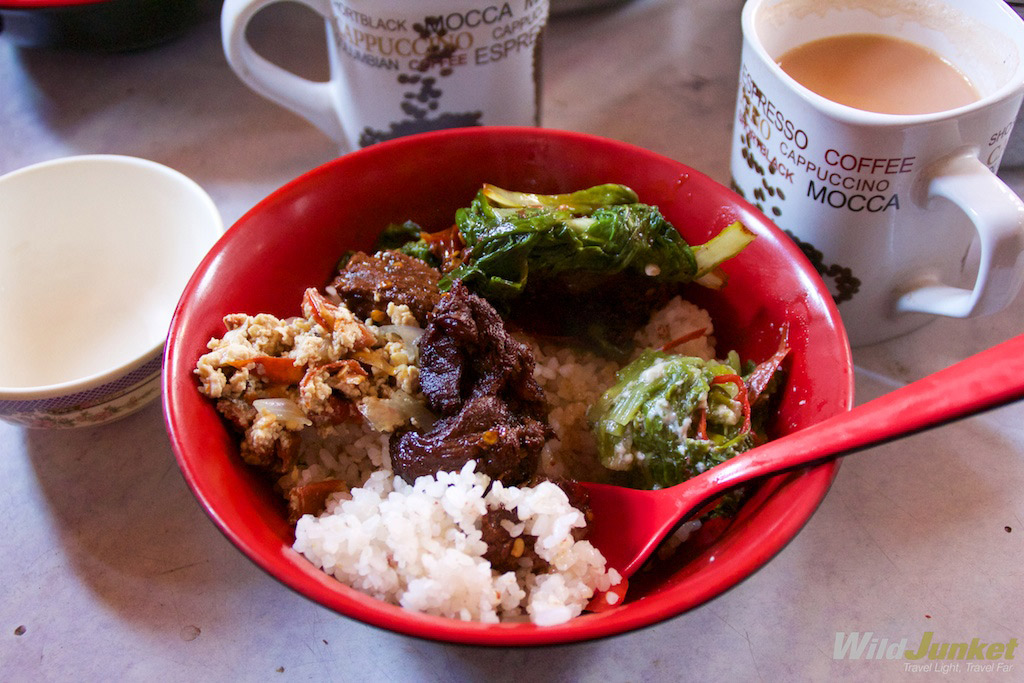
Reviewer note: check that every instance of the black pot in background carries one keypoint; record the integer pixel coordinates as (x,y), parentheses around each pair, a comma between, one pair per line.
(560,8)
(102,26)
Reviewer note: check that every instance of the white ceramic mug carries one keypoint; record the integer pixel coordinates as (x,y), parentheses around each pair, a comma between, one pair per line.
(405,66)
(903,215)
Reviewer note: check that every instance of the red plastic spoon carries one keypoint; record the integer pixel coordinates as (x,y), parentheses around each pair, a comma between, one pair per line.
(628,524)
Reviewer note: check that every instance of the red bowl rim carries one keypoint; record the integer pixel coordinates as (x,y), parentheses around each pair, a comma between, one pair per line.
(330,593)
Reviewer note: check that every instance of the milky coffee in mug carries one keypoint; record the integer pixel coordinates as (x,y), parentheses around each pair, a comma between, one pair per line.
(870,131)
(399,67)
(879,73)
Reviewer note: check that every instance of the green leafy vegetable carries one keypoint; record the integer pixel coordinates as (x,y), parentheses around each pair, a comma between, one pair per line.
(588,265)
(406,237)
(720,248)
(397,234)
(582,201)
(669,417)
(582,238)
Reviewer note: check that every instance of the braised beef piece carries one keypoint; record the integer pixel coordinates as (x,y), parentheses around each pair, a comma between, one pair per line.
(466,351)
(480,382)
(505,553)
(505,445)
(368,283)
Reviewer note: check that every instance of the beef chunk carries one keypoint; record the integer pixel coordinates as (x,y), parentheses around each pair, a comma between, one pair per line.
(505,445)
(369,283)
(480,382)
(505,553)
(466,351)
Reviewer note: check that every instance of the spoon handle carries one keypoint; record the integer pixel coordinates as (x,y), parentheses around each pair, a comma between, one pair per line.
(983,381)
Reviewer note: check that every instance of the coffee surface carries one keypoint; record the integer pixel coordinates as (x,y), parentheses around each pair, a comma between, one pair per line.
(879,73)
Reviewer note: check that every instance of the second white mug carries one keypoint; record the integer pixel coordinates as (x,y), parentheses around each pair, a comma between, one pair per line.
(399,67)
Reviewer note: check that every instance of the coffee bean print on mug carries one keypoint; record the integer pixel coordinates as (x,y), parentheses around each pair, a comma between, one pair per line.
(769,195)
(447,45)
(423,94)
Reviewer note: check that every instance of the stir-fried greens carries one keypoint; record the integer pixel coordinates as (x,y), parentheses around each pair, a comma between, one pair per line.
(672,417)
(577,253)
(582,238)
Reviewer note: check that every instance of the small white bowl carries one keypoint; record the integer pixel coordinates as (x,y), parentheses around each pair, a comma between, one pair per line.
(96,252)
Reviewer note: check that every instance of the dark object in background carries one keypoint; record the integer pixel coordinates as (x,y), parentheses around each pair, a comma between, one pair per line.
(95,25)
(563,7)
(1013,157)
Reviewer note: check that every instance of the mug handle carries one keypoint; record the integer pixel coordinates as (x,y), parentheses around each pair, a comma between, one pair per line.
(309,99)
(998,217)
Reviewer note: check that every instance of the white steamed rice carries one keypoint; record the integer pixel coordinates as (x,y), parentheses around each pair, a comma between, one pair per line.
(420,546)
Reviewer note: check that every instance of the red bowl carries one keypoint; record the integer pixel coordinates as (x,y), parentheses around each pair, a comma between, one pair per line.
(292,239)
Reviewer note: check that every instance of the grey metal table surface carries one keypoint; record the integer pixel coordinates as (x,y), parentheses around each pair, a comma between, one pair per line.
(111,571)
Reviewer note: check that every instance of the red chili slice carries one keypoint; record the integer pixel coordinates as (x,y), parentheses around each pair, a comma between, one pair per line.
(689,336)
(444,244)
(762,374)
(742,396)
